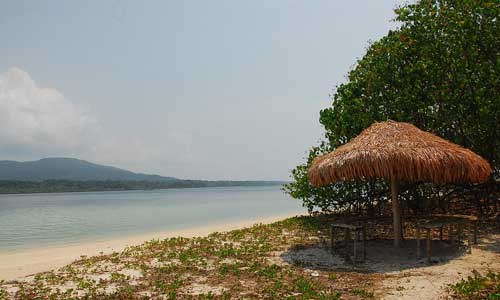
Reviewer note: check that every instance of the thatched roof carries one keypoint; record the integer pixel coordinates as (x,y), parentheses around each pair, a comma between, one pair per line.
(387,149)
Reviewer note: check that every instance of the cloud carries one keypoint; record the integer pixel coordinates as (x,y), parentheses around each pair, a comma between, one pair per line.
(40,120)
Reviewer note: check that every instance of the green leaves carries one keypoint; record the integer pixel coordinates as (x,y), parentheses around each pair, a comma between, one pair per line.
(478,287)
(440,71)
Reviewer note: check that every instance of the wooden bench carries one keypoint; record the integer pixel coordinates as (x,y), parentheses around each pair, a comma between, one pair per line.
(357,227)
(495,219)
(433,222)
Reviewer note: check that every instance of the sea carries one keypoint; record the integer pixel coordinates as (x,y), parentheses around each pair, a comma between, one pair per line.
(30,221)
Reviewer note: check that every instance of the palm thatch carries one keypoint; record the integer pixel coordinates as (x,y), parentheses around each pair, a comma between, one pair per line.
(401,151)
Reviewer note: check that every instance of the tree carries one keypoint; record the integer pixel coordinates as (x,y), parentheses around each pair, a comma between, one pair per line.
(440,70)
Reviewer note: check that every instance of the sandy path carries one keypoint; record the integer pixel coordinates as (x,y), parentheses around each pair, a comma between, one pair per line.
(15,265)
(431,282)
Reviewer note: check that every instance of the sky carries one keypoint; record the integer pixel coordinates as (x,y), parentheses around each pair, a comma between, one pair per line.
(191,89)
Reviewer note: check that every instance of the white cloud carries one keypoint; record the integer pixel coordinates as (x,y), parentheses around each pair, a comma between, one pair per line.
(40,120)
(37,122)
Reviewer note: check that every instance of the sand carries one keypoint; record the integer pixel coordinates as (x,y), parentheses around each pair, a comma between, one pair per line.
(397,273)
(16,265)
(402,276)
(431,282)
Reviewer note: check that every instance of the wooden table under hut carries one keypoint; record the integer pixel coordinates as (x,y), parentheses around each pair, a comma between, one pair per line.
(358,230)
(355,230)
(454,224)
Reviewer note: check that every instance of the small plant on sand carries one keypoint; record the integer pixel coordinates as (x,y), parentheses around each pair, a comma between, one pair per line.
(269,272)
(478,287)
(3,294)
(364,294)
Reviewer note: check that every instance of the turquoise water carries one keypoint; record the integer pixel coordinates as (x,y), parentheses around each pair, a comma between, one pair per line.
(31,220)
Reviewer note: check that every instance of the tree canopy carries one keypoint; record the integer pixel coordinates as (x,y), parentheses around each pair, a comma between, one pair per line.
(439,70)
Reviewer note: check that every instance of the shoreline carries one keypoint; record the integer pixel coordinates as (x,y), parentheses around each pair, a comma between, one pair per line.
(253,183)
(277,183)
(15,265)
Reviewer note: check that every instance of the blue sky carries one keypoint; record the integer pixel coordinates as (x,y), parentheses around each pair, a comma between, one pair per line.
(193,89)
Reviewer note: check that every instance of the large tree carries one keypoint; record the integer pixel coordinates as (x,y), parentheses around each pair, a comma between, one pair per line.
(440,70)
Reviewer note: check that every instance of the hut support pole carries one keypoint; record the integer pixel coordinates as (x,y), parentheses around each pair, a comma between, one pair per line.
(396,212)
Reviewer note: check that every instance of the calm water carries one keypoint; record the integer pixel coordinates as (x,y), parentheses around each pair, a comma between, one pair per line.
(31,220)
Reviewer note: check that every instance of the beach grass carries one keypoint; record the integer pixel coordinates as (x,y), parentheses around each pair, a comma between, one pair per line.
(477,287)
(239,264)
(288,259)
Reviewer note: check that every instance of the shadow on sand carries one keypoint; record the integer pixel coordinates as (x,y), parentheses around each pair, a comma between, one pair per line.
(381,256)
(490,243)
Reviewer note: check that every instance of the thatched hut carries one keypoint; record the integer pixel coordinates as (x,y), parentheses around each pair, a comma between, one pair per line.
(399,152)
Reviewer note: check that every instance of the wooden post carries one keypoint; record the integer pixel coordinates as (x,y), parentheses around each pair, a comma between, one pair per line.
(471,238)
(333,239)
(396,212)
(347,240)
(475,231)
(401,221)
(354,248)
(364,242)
(441,233)
(429,245)
(450,234)
(459,235)
(418,241)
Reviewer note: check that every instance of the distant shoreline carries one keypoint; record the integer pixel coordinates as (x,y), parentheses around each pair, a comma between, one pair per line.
(20,263)
(10,187)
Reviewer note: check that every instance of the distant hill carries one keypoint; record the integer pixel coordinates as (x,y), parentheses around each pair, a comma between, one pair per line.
(53,175)
(69,169)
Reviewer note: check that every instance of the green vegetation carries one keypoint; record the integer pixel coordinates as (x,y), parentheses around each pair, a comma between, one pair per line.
(56,186)
(440,70)
(232,265)
(3,293)
(478,287)
(275,261)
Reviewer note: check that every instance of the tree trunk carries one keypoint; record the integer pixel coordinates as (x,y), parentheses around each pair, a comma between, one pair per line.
(396,212)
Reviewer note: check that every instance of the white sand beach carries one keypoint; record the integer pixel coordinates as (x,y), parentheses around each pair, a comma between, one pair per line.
(14,265)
